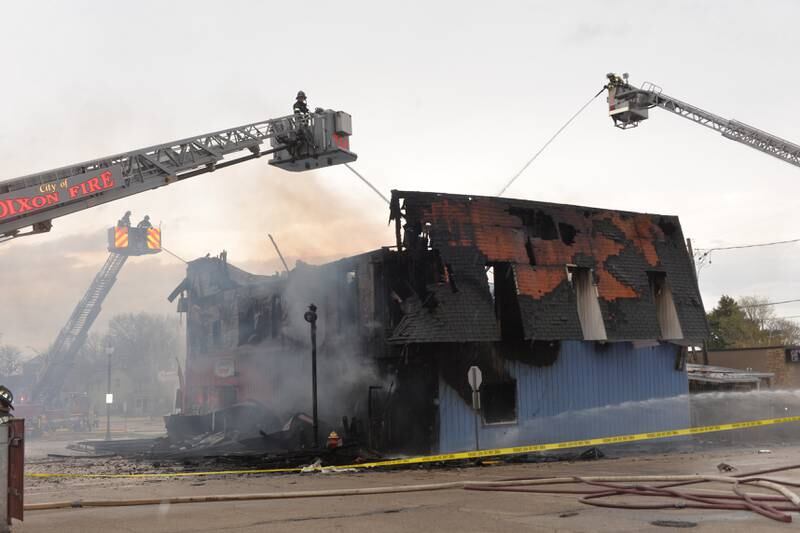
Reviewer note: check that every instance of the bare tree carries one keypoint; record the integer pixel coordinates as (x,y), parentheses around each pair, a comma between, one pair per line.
(757,310)
(761,326)
(10,360)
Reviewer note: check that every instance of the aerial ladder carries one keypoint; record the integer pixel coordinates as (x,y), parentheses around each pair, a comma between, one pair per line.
(629,105)
(299,142)
(123,241)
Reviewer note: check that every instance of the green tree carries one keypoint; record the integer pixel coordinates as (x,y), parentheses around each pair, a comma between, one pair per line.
(726,321)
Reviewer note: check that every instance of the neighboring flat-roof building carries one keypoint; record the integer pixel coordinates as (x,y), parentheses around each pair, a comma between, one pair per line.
(782,361)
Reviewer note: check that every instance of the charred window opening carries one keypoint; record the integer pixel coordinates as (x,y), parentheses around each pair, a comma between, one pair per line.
(540,224)
(545,353)
(589,314)
(665,306)
(216,334)
(667,227)
(503,288)
(568,233)
(259,319)
(499,402)
(529,250)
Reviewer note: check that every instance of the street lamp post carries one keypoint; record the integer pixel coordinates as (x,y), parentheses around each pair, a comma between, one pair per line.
(311,318)
(109,396)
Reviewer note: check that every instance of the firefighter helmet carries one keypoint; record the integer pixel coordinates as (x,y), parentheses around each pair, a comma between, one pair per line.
(301,94)
(6,397)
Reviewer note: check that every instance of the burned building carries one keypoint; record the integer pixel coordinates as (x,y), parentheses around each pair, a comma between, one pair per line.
(570,312)
(247,341)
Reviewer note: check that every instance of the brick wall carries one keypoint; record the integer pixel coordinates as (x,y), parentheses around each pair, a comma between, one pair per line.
(787,375)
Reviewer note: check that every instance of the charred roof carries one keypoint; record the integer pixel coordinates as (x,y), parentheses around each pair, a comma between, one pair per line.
(537,247)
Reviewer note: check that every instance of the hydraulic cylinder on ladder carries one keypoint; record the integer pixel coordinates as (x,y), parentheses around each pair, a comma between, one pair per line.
(629,105)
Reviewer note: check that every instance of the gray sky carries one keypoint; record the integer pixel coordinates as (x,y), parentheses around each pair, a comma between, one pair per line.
(444,96)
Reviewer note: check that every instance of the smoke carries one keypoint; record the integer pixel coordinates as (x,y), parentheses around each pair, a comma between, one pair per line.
(45,276)
(310,220)
(278,370)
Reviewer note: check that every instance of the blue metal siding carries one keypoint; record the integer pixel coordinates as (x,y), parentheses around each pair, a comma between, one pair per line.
(586,393)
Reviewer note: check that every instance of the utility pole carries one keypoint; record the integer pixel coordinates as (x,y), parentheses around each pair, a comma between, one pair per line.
(311,318)
(691,256)
(109,396)
(697,279)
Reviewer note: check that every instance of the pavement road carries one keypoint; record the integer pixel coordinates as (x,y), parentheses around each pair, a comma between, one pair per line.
(450,510)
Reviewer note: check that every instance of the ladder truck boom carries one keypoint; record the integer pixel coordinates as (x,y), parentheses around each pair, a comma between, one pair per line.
(297,142)
(629,105)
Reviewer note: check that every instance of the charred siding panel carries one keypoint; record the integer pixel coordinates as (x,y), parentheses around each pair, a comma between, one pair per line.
(567,400)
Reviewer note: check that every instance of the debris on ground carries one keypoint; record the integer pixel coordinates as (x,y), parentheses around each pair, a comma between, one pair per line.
(725,467)
(237,444)
(589,454)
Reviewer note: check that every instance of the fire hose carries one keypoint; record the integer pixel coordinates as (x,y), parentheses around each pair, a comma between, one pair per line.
(706,499)
(771,506)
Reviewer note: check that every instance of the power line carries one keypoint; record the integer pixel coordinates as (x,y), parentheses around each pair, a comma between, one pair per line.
(770,303)
(704,259)
(556,134)
(738,247)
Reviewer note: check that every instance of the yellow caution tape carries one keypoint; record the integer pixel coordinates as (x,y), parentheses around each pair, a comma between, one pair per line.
(164,474)
(496,452)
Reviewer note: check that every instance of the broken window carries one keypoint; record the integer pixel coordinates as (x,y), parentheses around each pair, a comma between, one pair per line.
(539,224)
(503,289)
(665,306)
(589,313)
(667,226)
(567,232)
(499,402)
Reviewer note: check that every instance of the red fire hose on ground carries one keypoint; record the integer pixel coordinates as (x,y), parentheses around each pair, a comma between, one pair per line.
(771,506)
